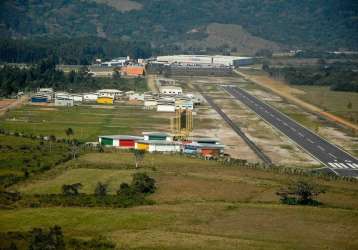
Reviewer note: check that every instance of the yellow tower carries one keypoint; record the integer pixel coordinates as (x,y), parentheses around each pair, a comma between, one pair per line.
(182,123)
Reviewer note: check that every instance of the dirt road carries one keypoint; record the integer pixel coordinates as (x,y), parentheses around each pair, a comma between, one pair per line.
(12,104)
(282,89)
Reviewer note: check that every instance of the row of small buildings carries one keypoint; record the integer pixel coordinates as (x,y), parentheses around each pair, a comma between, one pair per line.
(103,96)
(165,143)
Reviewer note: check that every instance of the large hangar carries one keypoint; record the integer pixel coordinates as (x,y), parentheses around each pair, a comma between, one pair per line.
(202,59)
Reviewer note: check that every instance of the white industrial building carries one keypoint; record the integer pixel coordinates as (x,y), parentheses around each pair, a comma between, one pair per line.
(113,93)
(200,59)
(165,106)
(64,101)
(120,61)
(170,90)
(77,97)
(90,97)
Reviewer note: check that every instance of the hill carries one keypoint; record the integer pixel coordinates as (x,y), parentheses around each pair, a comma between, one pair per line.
(168,24)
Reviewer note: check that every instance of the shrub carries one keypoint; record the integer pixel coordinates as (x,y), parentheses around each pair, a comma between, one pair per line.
(101,189)
(301,193)
(72,189)
(142,183)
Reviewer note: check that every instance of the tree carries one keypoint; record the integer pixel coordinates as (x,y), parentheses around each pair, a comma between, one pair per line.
(349,105)
(300,192)
(69,132)
(72,189)
(142,183)
(41,240)
(125,190)
(138,156)
(101,189)
(51,140)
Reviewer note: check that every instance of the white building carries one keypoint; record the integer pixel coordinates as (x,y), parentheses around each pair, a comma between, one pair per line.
(64,102)
(136,97)
(113,93)
(165,106)
(90,97)
(77,97)
(117,62)
(183,103)
(159,146)
(199,59)
(171,90)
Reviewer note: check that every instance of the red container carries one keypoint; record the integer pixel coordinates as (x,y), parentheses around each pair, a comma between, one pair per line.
(127,143)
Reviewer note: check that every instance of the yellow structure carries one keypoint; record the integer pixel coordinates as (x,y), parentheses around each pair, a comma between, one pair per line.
(105,100)
(142,146)
(182,123)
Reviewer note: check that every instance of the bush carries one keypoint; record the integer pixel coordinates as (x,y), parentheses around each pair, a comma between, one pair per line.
(101,189)
(300,193)
(142,183)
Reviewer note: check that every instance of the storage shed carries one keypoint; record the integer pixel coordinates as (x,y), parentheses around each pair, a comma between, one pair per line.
(157,136)
(211,150)
(119,141)
(171,90)
(39,99)
(158,146)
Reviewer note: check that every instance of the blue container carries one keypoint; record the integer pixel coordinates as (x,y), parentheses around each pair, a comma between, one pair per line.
(39,99)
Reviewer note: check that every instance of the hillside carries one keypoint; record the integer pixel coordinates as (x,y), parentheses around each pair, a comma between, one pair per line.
(167,24)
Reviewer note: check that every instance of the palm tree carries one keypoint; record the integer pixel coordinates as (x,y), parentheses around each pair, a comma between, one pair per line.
(69,132)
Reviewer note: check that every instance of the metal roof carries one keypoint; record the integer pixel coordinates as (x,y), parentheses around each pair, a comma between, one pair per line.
(122,137)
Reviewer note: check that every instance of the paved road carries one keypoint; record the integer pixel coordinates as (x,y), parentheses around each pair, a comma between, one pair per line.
(237,129)
(336,159)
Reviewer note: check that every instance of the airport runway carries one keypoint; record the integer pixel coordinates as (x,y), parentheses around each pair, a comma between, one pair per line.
(334,158)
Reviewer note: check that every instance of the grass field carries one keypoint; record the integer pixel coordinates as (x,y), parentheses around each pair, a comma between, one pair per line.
(199,205)
(335,102)
(87,121)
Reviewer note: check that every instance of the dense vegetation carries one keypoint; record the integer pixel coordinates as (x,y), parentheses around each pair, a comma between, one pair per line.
(53,238)
(339,76)
(323,24)
(81,50)
(45,74)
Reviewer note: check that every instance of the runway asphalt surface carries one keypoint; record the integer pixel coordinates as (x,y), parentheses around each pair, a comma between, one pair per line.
(333,157)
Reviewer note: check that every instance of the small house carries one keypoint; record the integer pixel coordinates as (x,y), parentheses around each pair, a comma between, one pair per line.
(63,102)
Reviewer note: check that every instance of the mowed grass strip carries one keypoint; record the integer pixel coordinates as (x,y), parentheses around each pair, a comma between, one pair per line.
(87,121)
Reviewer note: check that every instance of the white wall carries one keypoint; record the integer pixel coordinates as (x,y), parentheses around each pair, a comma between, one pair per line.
(166,108)
(164,148)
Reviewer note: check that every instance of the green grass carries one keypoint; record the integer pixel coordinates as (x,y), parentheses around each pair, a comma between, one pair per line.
(88,122)
(87,177)
(19,154)
(199,205)
(335,102)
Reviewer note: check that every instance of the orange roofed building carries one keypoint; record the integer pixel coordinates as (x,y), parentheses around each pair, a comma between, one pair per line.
(130,70)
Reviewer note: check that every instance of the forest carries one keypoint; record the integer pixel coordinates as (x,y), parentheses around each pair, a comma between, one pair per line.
(339,76)
(75,51)
(164,24)
(44,74)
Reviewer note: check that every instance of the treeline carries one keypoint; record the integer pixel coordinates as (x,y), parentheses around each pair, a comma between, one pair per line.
(73,51)
(14,79)
(338,76)
(52,238)
(299,24)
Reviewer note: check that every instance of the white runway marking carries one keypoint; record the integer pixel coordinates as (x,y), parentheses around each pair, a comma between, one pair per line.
(310,140)
(332,155)
(321,148)
(343,166)
(301,134)
(351,165)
